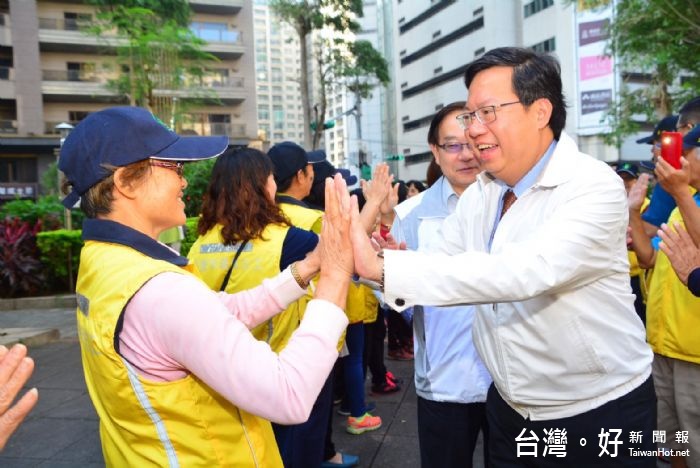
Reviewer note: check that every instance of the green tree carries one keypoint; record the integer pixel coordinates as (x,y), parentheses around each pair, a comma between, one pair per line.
(338,17)
(660,39)
(159,52)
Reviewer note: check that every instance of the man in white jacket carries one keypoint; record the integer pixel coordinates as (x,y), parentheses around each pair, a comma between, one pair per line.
(538,243)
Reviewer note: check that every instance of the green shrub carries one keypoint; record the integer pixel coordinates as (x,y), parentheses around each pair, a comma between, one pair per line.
(198,175)
(190,235)
(47,209)
(55,247)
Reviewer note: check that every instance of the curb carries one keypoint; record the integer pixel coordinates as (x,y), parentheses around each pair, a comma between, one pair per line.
(28,336)
(43,302)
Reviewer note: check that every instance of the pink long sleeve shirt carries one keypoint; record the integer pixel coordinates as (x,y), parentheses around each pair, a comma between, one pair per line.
(175,325)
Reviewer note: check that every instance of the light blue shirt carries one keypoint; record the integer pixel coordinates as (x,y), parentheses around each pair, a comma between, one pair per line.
(447,365)
(523,185)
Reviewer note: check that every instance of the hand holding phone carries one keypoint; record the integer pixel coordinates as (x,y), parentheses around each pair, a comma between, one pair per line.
(671,148)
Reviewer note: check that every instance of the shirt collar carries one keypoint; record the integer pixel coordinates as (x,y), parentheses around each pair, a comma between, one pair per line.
(104,230)
(533,175)
(447,191)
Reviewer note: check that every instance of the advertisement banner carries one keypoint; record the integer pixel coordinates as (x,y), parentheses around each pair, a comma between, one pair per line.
(596,72)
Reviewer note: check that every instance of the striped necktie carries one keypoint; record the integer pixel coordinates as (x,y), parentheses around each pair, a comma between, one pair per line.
(508,200)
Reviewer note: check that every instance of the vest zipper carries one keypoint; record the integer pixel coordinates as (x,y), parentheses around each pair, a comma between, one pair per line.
(247,439)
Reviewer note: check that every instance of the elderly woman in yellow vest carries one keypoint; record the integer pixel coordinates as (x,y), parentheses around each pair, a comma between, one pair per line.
(175,375)
(244,238)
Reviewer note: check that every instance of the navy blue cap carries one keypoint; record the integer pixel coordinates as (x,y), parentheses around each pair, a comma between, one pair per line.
(350,179)
(667,124)
(120,136)
(628,168)
(288,158)
(692,138)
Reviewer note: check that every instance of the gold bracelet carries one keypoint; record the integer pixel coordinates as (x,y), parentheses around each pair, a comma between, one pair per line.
(297,277)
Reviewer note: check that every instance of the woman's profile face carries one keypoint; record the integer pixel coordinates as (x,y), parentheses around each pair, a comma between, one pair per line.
(271,187)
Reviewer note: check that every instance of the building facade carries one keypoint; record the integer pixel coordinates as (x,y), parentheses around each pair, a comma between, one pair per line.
(52,71)
(434,41)
(277,74)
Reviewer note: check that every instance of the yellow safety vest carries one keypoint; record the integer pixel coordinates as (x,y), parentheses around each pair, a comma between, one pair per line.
(673,321)
(260,259)
(303,217)
(361,304)
(145,423)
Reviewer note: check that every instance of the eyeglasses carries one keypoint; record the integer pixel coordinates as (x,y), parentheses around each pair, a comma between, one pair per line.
(454,148)
(178,167)
(484,115)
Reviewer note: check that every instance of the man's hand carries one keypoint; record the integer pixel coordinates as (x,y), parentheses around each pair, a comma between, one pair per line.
(15,370)
(674,181)
(680,250)
(638,192)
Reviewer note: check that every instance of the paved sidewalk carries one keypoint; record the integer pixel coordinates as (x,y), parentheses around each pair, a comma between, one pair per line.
(62,431)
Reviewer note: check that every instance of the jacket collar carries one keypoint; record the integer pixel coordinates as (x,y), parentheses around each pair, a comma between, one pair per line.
(434,201)
(559,169)
(104,230)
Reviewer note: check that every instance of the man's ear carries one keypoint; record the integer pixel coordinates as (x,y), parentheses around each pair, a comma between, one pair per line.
(543,107)
(126,190)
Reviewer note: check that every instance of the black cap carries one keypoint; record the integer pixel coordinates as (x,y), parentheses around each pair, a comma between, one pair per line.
(288,158)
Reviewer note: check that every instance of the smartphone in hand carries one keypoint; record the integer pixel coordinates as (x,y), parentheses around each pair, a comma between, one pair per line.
(671,148)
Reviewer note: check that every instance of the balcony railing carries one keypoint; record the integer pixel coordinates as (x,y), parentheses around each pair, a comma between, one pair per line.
(72,75)
(217,35)
(64,24)
(214,81)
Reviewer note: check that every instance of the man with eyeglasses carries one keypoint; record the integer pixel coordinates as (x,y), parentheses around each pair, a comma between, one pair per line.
(451,380)
(538,243)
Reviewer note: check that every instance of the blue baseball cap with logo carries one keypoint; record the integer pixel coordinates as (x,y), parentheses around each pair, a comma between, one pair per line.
(667,124)
(120,136)
(628,168)
(692,138)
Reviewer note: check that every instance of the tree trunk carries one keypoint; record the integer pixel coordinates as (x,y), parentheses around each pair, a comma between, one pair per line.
(304,85)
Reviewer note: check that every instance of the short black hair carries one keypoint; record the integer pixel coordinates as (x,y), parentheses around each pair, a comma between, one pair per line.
(535,76)
(434,130)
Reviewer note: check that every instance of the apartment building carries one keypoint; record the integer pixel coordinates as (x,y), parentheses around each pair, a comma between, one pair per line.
(52,72)
(434,41)
(357,137)
(277,74)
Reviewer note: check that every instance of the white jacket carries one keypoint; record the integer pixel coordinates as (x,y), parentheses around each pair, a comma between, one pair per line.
(556,326)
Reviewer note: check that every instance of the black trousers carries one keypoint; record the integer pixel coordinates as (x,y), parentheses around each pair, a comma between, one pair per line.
(374,349)
(447,433)
(514,440)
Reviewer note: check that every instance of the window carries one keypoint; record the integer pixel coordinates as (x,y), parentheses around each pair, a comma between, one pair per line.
(479,51)
(437,70)
(437,34)
(536,6)
(548,45)
(263,113)
(73,21)
(77,116)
